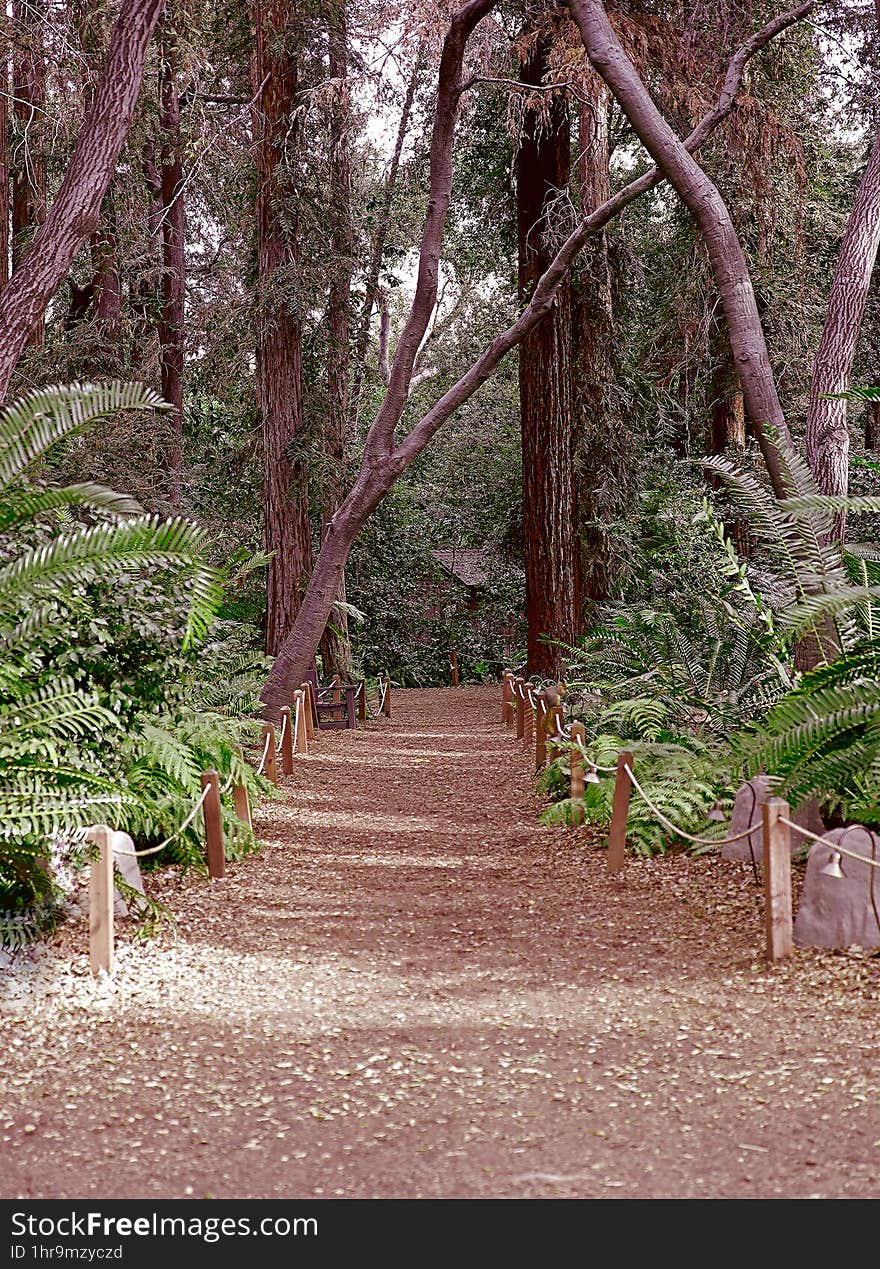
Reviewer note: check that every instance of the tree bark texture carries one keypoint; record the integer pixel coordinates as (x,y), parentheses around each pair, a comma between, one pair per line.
(712,216)
(74,214)
(286,529)
(171,309)
(872,425)
(335,644)
(827,429)
(601,448)
(5,208)
(384,458)
(29,156)
(550,540)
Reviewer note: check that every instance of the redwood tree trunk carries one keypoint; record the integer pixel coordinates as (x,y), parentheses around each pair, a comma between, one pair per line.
(827,430)
(872,425)
(73,216)
(335,644)
(29,173)
(171,308)
(550,539)
(5,84)
(279,331)
(601,458)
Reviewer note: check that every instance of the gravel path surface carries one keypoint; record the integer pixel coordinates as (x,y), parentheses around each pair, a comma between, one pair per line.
(416,990)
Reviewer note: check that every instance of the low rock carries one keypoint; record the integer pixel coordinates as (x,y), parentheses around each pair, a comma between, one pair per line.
(749,799)
(838,911)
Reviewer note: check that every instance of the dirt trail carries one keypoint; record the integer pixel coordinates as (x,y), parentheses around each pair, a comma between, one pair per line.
(416,990)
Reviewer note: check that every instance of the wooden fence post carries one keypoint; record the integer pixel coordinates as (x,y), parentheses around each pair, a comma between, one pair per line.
(300,741)
(453,665)
(619,813)
(213,825)
(576,790)
(336,683)
(287,738)
(306,689)
(362,702)
(777,879)
(518,685)
(386,709)
(242,803)
(541,733)
(507,698)
(271,766)
(101,896)
(528,721)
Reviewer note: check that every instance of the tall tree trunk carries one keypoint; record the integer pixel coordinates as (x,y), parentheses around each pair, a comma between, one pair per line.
(5,85)
(107,276)
(726,430)
(550,538)
(377,245)
(74,214)
(335,643)
(29,166)
(279,330)
(601,459)
(712,216)
(171,309)
(827,430)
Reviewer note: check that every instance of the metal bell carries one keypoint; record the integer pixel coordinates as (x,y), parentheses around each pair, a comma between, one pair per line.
(716,813)
(833,868)
(592,776)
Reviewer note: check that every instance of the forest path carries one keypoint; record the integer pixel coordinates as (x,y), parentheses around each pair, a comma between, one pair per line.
(414,989)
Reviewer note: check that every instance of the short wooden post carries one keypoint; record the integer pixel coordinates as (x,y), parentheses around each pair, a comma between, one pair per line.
(453,666)
(386,708)
(362,702)
(213,825)
(620,813)
(518,687)
(777,879)
(101,896)
(270,767)
(300,742)
(578,770)
(528,721)
(287,738)
(507,698)
(336,683)
(541,732)
(242,803)
(306,689)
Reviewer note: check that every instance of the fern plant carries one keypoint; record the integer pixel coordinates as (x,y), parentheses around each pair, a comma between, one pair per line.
(60,734)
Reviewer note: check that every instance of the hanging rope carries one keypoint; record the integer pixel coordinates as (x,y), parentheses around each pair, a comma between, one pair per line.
(154,850)
(680,832)
(805,832)
(265,753)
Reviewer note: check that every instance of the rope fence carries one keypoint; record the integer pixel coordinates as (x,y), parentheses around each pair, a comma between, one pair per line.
(299,723)
(536,714)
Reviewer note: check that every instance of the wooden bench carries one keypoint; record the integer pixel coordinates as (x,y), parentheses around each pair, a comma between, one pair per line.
(335,703)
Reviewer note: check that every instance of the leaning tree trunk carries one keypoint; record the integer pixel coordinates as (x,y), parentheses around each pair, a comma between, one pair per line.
(385,458)
(279,331)
(73,216)
(171,306)
(703,200)
(29,100)
(377,245)
(827,429)
(335,643)
(550,538)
